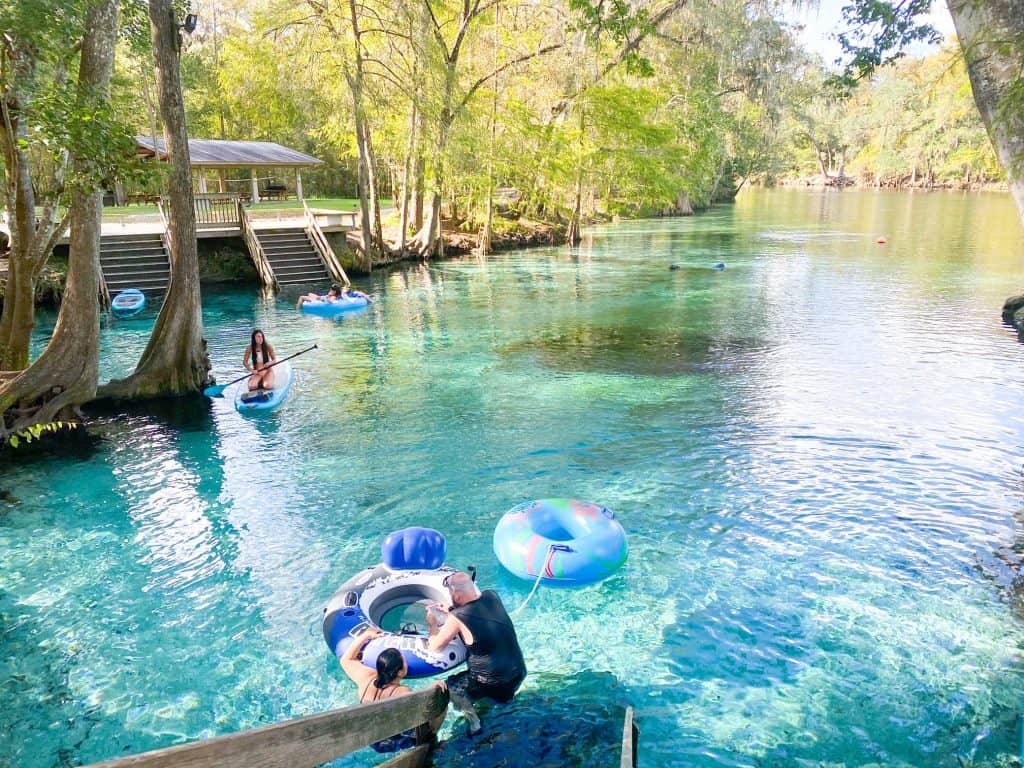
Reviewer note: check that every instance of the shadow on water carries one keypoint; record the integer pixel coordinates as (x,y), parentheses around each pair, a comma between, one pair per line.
(633,350)
(106,421)
(181,414)
(555,722)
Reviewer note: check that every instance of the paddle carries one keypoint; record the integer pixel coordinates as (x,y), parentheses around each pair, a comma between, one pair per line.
(217,390)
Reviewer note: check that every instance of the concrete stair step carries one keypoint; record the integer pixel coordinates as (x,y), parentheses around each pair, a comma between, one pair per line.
(133,260)
(137,269)
(146,286)
(304,245)
(284,255)
(129,239)
(317,274)
(305,280)
(133,250)
(296,258)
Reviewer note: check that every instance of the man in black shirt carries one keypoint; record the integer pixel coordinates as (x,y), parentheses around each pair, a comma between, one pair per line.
(495,666)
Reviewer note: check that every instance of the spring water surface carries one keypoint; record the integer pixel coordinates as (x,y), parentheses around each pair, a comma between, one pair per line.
(816,453)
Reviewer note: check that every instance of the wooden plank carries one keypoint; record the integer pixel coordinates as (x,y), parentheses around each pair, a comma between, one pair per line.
(411,758)
(630,737)
(302,743)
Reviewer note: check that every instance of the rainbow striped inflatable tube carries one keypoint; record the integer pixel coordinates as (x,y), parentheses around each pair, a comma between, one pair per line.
(560,542)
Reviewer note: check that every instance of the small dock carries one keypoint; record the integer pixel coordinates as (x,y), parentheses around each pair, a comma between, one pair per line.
(288,247)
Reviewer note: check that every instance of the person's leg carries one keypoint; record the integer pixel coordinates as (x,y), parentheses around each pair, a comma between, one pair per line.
(254,381)
(458,693)
(268,378)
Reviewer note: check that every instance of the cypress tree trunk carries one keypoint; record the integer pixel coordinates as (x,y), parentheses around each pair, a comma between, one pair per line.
(175,360)
(992,38)
(65,375)
(407,167)
(32,237)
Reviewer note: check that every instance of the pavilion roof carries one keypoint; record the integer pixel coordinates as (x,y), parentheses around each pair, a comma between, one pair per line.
(217,153)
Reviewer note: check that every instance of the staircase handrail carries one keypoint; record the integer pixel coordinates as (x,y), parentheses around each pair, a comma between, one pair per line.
(259,256)
(164,222)
(306,742)
(319,240)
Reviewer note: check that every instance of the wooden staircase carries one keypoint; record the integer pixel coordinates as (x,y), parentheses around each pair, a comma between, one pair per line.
(134,261)
(292,256)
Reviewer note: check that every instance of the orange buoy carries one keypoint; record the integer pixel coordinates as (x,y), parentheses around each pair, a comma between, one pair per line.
(880,241)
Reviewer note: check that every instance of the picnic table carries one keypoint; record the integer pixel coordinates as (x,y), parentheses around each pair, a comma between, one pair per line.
(274,192)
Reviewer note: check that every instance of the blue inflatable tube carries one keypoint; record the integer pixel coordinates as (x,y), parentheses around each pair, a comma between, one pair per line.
(128,302)
(412,572)
(333,308)
(564,542)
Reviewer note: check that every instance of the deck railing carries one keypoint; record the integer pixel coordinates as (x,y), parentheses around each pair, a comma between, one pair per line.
(216,209)
(319,240)
(259,256)
(308,741)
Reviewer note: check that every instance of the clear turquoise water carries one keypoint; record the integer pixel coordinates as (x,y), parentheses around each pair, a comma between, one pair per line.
(816,454)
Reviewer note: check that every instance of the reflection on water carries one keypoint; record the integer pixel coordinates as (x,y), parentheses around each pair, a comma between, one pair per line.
(816,453)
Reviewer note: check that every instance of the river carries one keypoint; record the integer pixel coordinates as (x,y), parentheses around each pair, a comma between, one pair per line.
(816,453)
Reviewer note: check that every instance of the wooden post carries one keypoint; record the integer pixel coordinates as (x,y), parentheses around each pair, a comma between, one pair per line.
(255,186)
(630,739)
(298,184)
(202,181)
(222,180)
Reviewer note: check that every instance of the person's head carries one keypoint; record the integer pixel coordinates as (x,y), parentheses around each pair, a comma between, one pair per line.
(258,339)
(462,588)
(391,667)
(335,290)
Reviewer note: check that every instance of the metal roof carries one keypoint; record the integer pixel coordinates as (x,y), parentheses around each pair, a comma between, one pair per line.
(215,153)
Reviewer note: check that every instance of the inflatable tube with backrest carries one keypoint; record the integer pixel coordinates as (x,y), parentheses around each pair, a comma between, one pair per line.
(411,575)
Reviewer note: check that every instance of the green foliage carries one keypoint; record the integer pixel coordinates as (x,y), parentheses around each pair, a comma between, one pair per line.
(36,431)
(878,32)
(913,121)
(619,21)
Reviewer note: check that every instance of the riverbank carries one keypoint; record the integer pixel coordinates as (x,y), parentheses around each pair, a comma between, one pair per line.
(225,260)
(820,180)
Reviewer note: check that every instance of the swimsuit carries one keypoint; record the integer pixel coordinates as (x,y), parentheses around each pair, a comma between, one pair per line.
(395,743)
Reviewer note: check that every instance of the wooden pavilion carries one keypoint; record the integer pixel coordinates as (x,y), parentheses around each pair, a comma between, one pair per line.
(267,164)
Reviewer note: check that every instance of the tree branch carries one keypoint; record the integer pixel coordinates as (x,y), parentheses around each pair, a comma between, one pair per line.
(525,57)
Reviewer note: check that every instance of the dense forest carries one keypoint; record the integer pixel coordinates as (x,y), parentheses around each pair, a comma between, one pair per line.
(717,95)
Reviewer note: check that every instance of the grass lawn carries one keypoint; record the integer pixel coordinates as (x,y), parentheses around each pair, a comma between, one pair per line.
(327,203)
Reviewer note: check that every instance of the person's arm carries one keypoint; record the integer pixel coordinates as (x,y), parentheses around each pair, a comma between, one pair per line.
(441,636)
(245,360)
(358,672)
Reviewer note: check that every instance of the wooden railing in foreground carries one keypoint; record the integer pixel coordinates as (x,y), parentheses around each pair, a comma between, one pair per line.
(630,738)
(323,247)
(308,741)
(259,256)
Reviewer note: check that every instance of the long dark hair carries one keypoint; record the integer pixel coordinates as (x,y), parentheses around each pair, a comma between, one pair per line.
(389,666)
(263,348)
